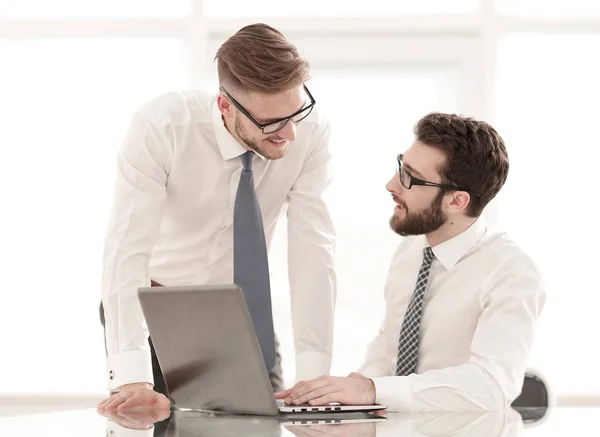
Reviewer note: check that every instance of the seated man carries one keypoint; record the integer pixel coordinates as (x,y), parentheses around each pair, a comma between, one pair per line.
(462,299)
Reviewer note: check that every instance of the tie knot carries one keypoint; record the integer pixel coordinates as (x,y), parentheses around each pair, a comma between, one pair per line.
(247,160)
(428,254)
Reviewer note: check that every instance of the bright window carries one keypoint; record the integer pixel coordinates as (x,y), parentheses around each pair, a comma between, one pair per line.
(381,8)
(549,8)
(548,115)
(65,108)
(38,9)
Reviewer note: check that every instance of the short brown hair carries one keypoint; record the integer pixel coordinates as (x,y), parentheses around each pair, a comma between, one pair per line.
(476,158)
(259,58)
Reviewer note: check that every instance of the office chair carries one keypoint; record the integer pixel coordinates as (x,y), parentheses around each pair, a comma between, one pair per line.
(535,399)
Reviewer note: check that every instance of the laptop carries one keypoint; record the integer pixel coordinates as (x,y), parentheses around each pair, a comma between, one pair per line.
(211,360)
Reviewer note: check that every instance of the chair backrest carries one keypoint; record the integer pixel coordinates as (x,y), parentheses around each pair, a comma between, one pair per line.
(534,393)
(535,401)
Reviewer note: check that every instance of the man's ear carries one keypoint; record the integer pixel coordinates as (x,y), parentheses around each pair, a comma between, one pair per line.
(459,201)
(225,106)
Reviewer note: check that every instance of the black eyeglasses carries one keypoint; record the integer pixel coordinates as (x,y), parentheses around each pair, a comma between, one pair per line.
(407,180)
(274,126)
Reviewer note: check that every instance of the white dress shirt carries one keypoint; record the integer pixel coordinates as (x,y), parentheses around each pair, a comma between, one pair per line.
(172,221)
(483,299)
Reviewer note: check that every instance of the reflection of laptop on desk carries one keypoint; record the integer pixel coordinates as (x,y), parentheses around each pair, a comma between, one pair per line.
(186,424)
(207,349)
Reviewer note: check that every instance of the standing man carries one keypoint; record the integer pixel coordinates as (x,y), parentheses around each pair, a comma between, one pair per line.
(462,298)
(201,182)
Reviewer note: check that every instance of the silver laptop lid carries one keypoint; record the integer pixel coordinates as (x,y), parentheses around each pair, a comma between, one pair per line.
(207,349)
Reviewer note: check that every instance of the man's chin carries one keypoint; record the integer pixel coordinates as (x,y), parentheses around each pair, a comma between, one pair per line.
(274,152)
(395,223)
(398,225)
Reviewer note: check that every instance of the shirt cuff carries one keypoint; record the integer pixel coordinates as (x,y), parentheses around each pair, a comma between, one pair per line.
(129,367)
(310,365)
(394,392)
(113,429)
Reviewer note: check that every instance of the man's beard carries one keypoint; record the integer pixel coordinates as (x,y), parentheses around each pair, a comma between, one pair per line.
(424,222)
(239,130)
(252,144)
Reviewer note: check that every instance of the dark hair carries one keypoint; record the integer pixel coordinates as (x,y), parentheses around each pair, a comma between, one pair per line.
(476,158)
(259,58)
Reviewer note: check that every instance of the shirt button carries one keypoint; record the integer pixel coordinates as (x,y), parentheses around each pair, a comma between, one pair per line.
(111,375)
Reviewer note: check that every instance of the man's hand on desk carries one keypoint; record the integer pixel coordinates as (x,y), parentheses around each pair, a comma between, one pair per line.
(355,389)
(137,418)
(132,396)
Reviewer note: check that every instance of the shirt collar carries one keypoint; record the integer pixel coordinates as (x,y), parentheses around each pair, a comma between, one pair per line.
(451,251)
(228,146)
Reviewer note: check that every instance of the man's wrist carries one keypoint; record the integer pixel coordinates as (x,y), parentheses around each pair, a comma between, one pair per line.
(372,392)
(136,386)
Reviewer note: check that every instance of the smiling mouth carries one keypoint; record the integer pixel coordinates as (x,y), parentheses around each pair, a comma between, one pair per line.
(277,142)
(399,203)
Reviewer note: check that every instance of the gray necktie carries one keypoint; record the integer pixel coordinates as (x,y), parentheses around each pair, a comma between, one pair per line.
(409,335)
(250,264)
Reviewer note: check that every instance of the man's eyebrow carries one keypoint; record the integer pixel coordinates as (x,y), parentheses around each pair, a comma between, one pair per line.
(269,120)
(413,171)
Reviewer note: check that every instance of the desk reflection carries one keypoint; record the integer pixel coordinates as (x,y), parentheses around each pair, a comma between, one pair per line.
(150,423)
